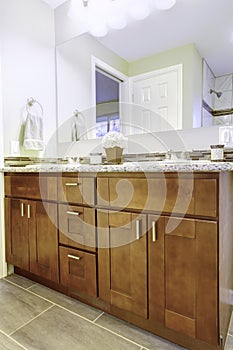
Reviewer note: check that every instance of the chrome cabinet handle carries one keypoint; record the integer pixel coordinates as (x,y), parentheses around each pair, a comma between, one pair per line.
(73,257)
(29,211)
(73,213)
(72,183)
(22,209)
(137,230)
(154,233)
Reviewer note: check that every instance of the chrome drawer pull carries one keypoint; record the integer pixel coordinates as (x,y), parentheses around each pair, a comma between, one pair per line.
(137,230)
(73,257)
(72,213)
(72,184)
(154,233)
(29,211)
(22,209)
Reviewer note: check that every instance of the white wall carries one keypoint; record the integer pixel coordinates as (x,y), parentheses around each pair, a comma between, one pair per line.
(28,70)
(75,80)
(3,266)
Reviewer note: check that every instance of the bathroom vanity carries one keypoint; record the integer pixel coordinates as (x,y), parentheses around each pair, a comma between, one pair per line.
(153,248)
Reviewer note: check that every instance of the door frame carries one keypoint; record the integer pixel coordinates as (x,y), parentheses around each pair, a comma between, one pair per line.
(123,93)
(178,68)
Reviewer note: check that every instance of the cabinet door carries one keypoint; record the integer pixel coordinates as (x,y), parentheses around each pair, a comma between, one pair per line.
(156,268)
(43,239)
(191,287)
(16,224)
(122,242)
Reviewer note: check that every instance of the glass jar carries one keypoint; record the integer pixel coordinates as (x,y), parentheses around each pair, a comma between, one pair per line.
(217,153)
(95,158)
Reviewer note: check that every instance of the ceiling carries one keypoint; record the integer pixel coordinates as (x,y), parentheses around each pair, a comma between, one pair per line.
(207,23)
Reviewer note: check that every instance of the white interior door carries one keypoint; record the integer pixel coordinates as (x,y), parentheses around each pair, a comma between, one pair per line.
(157,100)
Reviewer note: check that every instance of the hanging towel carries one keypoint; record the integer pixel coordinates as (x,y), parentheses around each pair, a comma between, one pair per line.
(33,134)
(78,128)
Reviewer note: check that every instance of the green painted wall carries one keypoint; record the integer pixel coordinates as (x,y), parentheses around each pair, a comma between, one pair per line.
(192,77)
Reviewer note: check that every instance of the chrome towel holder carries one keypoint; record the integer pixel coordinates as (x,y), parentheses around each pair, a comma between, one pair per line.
(31,102)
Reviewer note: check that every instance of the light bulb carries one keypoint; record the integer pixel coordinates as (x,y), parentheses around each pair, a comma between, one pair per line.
(139,10)
(98,30)
(116,16)
(97,18)
(164,4)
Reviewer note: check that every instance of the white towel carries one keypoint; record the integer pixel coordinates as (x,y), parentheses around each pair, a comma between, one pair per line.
(33,134)
(78,128)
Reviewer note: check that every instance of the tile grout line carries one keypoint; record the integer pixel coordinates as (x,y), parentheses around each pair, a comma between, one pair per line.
(84,318)
(31,292)
(15,284)
(26,323)
(106,329)
(28,288)
(98,317)
(24,288)
(15,341)
(76,314)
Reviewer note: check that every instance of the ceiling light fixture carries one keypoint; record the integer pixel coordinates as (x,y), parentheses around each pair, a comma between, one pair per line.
(164,4)
(99,16)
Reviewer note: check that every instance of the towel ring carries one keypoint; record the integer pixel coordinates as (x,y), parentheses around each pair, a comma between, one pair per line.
(31,101)
(77,114)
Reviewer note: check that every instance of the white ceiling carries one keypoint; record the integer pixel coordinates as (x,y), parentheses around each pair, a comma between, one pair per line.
(207,23)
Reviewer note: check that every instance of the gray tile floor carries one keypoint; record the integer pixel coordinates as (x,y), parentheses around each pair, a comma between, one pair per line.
(33,317)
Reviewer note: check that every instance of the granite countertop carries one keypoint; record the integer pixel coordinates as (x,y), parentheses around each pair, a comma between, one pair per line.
(149,166)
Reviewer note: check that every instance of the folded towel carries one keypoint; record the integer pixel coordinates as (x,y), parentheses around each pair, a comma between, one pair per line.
(33,134)
(78,128)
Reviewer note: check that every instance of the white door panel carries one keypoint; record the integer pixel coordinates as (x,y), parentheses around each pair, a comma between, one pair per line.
(158,100)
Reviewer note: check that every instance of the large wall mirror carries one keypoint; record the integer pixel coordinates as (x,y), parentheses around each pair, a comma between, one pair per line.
(99,90)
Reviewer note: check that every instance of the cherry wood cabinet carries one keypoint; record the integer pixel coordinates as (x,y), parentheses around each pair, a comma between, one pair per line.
(77,189)
(154,249)
(77,227)
(187,217)
(31,237)
(77,234)
(31,225)
(180,194)
(122,242)
(43,240)
(183,276)
(16,230)
(78,270)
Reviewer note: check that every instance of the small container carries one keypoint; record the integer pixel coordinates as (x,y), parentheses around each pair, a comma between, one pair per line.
(95,158)
(217,153)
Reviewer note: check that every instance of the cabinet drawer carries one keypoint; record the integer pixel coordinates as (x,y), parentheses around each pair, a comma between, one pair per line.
(77,227)
(31,186)
(182,195)
(77,190)
(78,270)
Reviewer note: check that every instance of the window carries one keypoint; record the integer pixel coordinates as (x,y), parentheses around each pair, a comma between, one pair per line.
(107,103)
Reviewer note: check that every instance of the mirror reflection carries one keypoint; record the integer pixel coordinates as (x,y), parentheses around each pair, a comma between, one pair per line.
(113,94)
(110,92)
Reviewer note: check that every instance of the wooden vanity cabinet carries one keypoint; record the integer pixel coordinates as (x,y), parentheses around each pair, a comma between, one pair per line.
(31,225)
(77,189)
(122,252)
(77,234)
(154,249)
(183,264)
(181,194)
(78,270)
(183,276)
